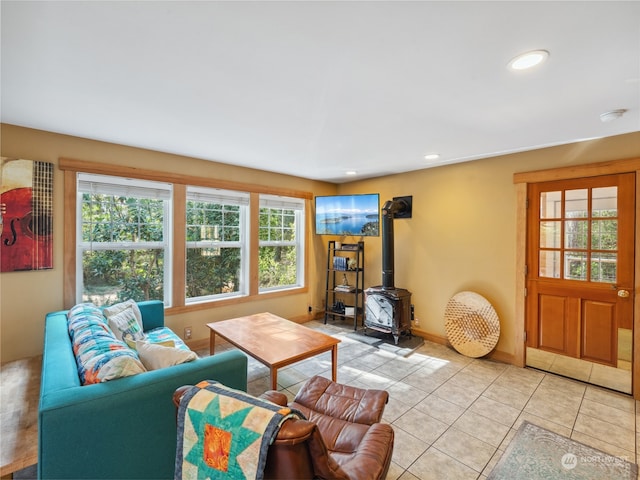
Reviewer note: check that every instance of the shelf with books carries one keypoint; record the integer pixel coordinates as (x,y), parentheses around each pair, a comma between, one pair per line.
(344,297)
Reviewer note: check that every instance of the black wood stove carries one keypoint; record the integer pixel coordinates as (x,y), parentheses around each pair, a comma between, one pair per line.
(388,309)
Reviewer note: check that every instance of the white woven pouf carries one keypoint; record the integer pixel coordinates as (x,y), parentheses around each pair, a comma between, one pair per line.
(472,324)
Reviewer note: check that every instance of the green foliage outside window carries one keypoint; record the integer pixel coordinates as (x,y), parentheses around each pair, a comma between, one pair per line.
(603,252)
(123,248)
(112,274)
(211,268)
(277,255)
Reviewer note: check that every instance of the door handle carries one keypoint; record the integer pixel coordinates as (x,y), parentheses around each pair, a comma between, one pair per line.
(623,293)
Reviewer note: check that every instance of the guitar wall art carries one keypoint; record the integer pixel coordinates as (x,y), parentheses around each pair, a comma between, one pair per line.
(26,215)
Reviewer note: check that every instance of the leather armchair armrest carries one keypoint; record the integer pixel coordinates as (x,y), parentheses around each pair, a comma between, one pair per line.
(177,396)
(373,456)
(294,431)
(276,397)
(179,393)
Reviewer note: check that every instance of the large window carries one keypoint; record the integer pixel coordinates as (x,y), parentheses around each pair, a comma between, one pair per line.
(179,240)
(217,248)
(122,241)
(281,242)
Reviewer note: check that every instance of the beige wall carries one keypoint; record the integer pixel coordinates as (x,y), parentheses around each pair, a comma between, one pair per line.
(463,229)
(461,237)
(26,297)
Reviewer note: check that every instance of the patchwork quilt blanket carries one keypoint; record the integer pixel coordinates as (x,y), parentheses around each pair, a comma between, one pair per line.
(225,433)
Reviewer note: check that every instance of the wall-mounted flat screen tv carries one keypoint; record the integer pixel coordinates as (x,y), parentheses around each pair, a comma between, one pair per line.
(356,215)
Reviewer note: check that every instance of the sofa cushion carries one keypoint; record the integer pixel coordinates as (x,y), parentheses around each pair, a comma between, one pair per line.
(84,314)
(100,356)
(165,334)
(155,356)
(110,365)
(128,339)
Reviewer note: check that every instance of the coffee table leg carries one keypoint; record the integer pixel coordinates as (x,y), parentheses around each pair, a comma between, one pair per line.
(274,378)
(212,342)
(334,363)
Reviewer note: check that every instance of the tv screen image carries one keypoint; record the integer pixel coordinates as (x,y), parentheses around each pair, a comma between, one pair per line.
(356,215)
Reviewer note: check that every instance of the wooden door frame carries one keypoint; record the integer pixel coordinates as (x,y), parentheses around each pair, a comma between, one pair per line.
(521,180)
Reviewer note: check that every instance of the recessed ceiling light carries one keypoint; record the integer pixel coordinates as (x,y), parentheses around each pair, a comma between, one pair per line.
(350,172)
(528,60)
(432,156)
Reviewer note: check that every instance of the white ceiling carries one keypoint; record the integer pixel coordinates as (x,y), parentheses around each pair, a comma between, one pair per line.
(317,88)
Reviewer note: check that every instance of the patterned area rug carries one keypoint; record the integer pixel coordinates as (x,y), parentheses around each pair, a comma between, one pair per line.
(407,344)
(536,453)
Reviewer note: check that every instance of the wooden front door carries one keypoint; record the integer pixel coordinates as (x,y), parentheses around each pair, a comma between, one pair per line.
(580,257)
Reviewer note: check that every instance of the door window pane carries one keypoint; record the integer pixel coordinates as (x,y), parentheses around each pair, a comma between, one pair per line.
(575,265)
(549,264)
(576,203)
(550,204)
(604,202)
(550,234)
(576,234)
(603,267)
(604,234)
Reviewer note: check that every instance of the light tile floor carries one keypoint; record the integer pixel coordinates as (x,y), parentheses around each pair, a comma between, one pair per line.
(618,379)
(453,416)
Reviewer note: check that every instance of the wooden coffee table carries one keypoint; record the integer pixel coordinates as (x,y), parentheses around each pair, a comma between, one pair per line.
(274,341)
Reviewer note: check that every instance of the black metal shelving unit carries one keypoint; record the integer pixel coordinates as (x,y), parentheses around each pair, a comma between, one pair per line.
(345,282)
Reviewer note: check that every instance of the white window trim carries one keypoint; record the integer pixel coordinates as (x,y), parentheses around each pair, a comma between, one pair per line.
(113,185)
(298,206)
(227,197)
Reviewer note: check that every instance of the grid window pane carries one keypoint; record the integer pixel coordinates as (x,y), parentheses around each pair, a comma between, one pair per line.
(277,225)
(550,204)
(111,218)
(604,202)
(549,264)
(575,265)
(576,233)
(212,222)
(550,234)
(576,203)
(604,234)
(604,267)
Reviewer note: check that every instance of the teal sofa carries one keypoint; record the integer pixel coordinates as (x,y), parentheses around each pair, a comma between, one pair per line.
(120,429)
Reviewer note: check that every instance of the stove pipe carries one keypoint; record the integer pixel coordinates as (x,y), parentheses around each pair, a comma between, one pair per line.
(389,210)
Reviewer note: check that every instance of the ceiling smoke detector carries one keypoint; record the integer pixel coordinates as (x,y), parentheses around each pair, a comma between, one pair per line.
(612,115)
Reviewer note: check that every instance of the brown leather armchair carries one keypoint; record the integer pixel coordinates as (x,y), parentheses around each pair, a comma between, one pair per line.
(342,437)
